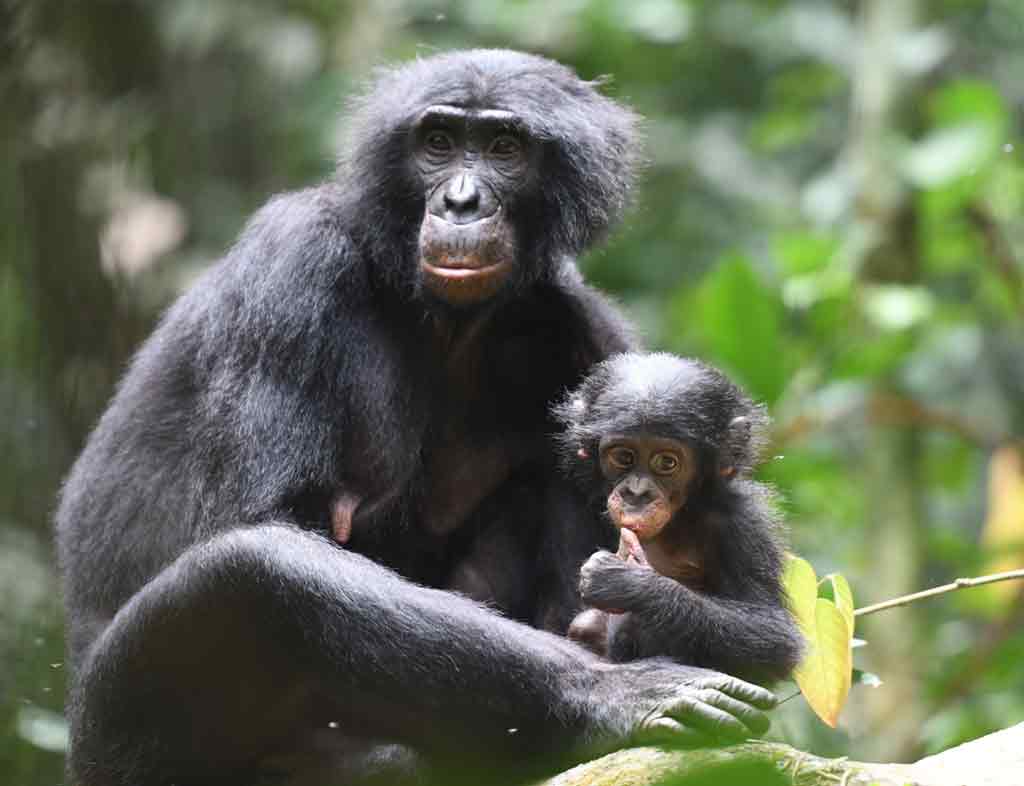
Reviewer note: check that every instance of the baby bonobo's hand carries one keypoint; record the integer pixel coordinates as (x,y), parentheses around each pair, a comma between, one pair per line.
(630,549)
(614,582)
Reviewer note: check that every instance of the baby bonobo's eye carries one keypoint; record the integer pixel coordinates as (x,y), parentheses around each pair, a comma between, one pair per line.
(664,463)
(621,458)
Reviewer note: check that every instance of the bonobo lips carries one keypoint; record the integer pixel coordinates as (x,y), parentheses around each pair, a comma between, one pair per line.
(465,263)
(646,521)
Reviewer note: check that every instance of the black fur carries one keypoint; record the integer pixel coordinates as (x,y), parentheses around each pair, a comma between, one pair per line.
(216,634)
(736,620)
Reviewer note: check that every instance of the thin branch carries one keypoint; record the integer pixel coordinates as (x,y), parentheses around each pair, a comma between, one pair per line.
(928,593)
(886,409)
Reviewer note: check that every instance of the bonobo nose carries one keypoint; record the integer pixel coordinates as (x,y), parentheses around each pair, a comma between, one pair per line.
(465,200)
(636,497)
(461,196)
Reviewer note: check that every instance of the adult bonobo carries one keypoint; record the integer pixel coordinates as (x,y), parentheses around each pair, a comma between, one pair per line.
(371,365)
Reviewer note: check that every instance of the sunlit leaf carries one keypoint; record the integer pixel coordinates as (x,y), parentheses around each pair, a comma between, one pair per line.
(801,586)
(42,728)
(737,320)
(896,307)
(841,594)
(824,675)
(867,679)
(947,154)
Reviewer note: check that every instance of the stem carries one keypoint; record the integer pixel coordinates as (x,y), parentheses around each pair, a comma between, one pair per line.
(928,593)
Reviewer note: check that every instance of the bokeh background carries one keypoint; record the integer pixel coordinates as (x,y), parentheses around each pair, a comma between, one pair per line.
(833,211)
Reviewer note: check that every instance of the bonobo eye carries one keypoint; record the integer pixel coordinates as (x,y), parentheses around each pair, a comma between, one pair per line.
(621,458)
(438,143)
(664,463)
(505,146)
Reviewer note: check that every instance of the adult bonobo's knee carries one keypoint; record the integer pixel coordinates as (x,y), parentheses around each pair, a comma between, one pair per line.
(372,363)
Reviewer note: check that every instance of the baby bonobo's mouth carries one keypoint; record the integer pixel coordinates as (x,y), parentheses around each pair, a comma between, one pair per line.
(645,520)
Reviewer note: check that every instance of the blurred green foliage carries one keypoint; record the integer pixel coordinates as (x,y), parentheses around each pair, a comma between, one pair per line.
(832,210)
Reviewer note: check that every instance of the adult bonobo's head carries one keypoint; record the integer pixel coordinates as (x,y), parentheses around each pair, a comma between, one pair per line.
(476,173)
(648,433)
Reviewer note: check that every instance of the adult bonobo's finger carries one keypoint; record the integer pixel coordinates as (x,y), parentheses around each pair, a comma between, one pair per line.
(755,720)
(706,718)
(739,689)
(668,731)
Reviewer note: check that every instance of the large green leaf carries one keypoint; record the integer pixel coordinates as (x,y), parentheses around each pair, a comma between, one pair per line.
(737,320)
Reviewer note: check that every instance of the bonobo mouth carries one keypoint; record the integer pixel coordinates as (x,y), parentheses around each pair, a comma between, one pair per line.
(645,521)
(466,263)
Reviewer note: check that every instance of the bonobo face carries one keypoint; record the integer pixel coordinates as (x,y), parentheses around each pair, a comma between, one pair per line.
(649,478)
(472,162)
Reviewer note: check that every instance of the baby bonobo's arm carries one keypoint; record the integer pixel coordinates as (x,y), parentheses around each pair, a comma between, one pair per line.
(751,635)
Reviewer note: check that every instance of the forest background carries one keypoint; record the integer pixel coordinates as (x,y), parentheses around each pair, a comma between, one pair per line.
(832,211)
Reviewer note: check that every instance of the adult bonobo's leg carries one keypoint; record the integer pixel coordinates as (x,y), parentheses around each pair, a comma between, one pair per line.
(258,639)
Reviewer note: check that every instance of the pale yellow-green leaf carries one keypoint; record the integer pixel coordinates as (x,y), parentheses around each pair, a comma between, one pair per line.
(824,674)
(801,585)
(842,596)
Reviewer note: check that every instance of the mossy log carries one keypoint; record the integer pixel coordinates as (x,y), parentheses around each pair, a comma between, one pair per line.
(994,760)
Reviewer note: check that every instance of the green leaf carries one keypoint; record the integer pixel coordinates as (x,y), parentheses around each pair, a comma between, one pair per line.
(801,586)
(824,675)
(839,592)
(738,322)
(867,679)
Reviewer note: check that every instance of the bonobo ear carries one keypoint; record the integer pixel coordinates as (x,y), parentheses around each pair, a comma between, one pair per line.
(739,430)
(735,453)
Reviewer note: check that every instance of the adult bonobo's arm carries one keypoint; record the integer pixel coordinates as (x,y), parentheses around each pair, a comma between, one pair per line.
(285,635)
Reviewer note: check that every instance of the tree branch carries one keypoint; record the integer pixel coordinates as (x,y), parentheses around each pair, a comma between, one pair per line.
(995,760)
(941,590)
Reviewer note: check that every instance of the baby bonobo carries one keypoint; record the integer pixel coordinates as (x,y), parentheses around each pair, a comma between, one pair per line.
(664,448)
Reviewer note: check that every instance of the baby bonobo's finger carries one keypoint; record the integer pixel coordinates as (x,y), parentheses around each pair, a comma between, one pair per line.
(739,689)
(755,720)
(630,547)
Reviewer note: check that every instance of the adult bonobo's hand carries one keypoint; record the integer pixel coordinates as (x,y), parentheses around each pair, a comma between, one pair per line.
(610,583)
(659,701)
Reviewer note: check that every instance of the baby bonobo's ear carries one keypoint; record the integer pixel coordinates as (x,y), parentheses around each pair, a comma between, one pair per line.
(735,455)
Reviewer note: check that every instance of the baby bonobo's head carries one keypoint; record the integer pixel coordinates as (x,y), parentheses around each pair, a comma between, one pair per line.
(646,434)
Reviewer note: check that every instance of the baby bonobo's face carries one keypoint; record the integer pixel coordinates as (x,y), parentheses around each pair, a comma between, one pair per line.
(649,477)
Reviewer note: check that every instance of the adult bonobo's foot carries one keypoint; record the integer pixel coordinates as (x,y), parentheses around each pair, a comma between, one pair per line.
(657,701)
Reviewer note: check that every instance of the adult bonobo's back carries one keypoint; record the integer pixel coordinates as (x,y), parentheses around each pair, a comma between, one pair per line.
(363,384)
